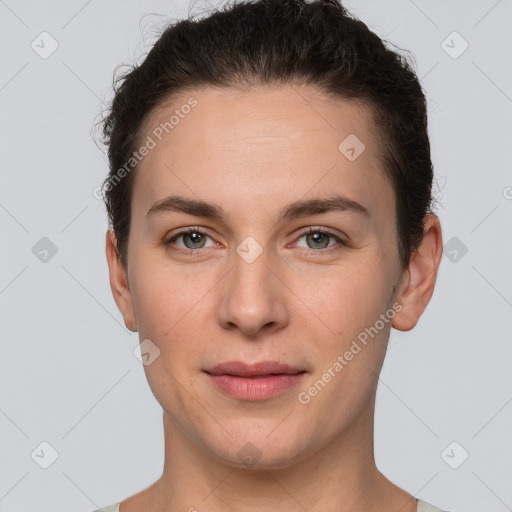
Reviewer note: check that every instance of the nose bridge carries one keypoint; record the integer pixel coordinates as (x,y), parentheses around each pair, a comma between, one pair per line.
(251,268)
(251,296)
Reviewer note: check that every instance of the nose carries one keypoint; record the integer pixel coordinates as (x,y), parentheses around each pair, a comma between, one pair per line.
(253,298)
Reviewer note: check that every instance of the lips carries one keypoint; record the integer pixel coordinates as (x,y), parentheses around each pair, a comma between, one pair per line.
(263,368)
(254,382)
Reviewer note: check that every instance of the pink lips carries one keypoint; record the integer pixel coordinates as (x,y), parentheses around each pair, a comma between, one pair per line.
(254,382)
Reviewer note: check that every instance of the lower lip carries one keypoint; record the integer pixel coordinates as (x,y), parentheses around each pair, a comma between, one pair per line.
(255,388)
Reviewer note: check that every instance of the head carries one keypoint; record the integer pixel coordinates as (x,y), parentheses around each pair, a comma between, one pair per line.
(290,144)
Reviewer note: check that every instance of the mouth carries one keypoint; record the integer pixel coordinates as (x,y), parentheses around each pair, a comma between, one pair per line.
(254,382)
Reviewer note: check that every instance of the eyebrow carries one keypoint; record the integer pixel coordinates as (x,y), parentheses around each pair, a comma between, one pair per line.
(293,210)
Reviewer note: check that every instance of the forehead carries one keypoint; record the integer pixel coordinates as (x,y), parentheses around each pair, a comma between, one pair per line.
(260,144)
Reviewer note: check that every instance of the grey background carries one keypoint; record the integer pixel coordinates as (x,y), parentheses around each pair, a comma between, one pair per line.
(68,374)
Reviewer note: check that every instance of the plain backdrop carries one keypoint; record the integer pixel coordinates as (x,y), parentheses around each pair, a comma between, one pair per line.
(73,394)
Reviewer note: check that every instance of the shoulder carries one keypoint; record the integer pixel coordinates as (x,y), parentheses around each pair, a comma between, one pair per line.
(426,507)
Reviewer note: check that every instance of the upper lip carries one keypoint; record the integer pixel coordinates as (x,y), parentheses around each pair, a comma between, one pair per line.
(241,369)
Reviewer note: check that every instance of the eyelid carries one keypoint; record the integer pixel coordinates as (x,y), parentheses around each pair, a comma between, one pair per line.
(187,230)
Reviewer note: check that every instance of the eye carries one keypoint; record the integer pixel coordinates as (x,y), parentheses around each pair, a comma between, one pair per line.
(193,239)
(318,240)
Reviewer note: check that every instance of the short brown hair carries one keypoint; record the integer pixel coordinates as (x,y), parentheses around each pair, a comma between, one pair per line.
(317,43)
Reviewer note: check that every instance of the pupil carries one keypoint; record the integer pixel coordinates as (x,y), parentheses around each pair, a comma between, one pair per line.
(195,237)
(317,237)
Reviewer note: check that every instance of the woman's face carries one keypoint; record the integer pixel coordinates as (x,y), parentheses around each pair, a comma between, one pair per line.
(250,284)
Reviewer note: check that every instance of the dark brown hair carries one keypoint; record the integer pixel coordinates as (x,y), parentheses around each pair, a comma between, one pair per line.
(266,42)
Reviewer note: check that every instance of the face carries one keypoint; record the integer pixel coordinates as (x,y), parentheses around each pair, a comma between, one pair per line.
(267,270)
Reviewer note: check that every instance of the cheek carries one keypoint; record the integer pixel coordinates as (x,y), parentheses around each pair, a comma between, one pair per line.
(168,314)
(171,308)
(344,301)
(353,349)
(156,306)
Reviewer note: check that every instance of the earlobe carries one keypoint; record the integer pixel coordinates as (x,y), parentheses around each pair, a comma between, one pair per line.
(119,282)
(418,283)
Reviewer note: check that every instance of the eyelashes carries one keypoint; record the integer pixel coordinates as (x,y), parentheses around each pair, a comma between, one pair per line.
(197,235)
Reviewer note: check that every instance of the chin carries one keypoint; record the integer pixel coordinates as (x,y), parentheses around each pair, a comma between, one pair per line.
(258,451)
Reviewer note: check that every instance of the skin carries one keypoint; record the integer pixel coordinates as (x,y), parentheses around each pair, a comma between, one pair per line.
(252,152)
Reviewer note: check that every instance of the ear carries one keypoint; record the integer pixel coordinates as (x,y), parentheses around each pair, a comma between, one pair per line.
(417,285)
(119,282)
